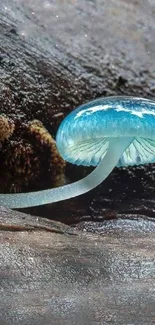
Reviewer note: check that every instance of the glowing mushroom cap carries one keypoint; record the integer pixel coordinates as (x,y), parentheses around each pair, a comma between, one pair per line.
(83,136)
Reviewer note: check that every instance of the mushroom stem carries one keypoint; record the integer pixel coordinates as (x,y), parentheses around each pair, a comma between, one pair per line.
(110,160)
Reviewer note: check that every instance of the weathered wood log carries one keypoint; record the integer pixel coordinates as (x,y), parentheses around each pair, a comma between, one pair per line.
(69,277)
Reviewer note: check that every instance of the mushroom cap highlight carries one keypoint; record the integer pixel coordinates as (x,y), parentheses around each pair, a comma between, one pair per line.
(83,136)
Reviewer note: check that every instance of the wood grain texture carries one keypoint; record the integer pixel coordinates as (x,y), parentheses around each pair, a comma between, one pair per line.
(74,276)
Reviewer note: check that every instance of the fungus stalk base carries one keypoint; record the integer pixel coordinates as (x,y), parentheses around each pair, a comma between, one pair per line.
(23,200)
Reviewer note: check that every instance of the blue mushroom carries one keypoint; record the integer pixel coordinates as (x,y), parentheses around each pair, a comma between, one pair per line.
(107,132)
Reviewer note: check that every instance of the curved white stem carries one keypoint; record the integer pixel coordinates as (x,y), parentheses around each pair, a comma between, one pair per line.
(23,200)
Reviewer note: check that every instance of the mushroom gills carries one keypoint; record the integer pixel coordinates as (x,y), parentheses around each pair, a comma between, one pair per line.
(87,153)
(140,151)
(92,151)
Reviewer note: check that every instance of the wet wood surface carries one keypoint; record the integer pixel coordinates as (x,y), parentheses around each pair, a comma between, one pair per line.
(63,278)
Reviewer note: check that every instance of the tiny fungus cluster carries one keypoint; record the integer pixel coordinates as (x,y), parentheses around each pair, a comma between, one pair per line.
(6,128)
(29,158)
(107,132)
